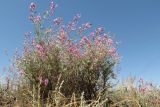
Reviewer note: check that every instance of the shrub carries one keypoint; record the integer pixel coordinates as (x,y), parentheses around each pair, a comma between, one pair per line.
(84,64)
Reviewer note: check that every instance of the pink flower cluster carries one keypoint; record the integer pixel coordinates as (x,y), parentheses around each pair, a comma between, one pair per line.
(32,7)
(41,50)
(85,40)
(144,87)
(99,30)
(76,17)
(57,21)
(62,35)
(74,50)
(84,27)
(45,81)
(53,6)
(73,24)
(37,19)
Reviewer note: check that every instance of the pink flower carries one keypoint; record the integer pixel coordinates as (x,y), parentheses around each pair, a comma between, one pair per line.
(76,17)
(81,43)
(143,90)
(45,82)
(33,42)
(98,40)
(85,40)
(31,18)
(32,7)
(39,47)
(112,52)
(53,6)
(99,30)
(62,35)
(57,21)
(92,34)
(40,50)
(72,25)
(85,27)
(110,41)
(28,34)
(37,19)
(74,50)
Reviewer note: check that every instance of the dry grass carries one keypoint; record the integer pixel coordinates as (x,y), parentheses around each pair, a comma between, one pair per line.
(127,94)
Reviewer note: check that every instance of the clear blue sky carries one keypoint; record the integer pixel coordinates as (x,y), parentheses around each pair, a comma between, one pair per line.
(136,23)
